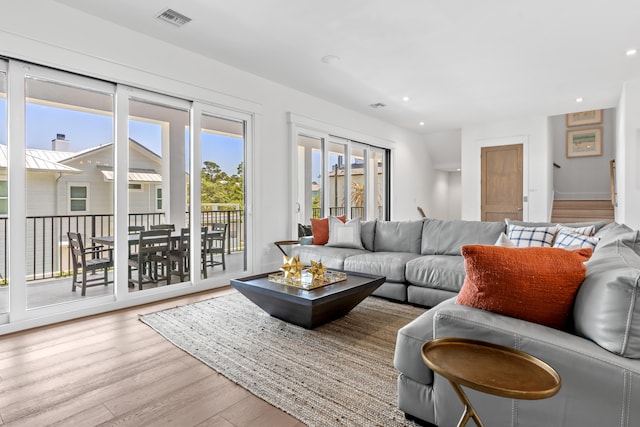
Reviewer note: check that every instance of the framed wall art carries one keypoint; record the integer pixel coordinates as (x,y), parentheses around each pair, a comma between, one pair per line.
(584,142)
(582,118)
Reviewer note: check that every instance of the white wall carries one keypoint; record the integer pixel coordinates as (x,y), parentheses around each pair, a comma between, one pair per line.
(628,155)
(533,133)
(65,38)
(445,200)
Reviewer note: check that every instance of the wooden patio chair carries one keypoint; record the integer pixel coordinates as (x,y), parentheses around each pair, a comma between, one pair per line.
(179,255)
(171,227)
(135,229)
(88,259)
(216,245)
(153,252)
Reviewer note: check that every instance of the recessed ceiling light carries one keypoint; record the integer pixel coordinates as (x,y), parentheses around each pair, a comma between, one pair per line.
(579,100)
(405,98)
(631,52)
(330,59)
(421,123)
(458,170)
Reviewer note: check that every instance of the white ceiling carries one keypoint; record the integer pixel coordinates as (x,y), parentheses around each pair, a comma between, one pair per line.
(461,62)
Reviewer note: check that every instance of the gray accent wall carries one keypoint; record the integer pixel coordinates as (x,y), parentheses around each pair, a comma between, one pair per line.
(583,177)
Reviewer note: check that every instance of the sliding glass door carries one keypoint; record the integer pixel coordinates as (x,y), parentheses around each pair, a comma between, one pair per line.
(157,179)
(310,190)
(86,166)
(4,198)
(68,140)
(338,176)
(220,201)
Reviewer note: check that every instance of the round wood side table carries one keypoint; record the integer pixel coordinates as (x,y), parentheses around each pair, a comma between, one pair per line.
(489,368)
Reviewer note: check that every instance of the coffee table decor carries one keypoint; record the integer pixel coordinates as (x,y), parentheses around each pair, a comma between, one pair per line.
(293,273)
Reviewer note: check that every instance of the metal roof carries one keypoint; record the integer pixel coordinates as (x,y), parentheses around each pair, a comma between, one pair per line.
(40,160)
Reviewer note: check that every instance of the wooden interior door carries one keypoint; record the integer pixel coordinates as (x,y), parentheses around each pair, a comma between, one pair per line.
(501,182)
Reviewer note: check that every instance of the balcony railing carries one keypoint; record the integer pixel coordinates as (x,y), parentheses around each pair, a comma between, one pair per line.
(356,212)
(47,253)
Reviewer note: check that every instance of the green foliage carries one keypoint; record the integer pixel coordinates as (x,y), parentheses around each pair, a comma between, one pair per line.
(220,187)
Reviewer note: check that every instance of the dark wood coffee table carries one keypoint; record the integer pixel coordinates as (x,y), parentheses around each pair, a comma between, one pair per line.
(308,308)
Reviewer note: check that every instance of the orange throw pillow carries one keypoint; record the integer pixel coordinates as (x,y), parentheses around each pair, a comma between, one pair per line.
(535,284)
(320,229)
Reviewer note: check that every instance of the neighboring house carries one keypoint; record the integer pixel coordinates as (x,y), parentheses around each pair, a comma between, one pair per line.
(74,191)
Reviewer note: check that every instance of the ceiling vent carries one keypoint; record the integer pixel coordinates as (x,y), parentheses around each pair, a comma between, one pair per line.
(377,105)
(173,17)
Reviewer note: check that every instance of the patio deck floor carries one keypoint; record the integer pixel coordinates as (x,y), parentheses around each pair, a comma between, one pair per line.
(42,293)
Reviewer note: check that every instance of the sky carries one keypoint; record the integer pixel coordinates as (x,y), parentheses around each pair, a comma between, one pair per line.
(85,130)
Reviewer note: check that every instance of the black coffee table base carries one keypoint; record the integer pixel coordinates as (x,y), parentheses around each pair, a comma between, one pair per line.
(307,308)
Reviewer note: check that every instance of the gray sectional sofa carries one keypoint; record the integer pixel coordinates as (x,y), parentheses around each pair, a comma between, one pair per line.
(420,259)
(598,357)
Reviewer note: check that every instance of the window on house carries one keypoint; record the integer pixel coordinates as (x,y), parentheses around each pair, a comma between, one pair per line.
(78,196)
(158,198)
(135,187)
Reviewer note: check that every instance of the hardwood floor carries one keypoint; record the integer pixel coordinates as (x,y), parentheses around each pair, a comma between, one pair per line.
(113,370)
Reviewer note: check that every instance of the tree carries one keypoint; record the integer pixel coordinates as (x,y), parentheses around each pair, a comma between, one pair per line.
(220,187)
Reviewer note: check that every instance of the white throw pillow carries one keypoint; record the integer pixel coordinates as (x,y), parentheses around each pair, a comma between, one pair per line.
(504,241)
(587,231)
(344,235)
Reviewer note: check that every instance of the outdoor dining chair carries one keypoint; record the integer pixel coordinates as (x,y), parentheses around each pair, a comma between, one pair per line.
(135,229)
(179,255)
(88,259)
(216,245)
(171,227)
(153,253)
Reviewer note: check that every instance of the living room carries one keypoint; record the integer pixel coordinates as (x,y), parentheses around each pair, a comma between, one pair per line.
(425,158)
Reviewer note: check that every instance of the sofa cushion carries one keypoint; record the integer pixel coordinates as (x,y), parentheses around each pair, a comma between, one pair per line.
(437,271)
(367,234)
(534,284)
(447,237)
(320,229)
(398,236)
(331,257)
(611,233)
(344,235)
(389,264)
(607,306)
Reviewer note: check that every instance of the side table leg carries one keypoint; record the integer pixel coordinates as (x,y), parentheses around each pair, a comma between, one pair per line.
(469,411)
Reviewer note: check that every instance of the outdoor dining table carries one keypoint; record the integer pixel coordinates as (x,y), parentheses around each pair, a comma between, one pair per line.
(135,238)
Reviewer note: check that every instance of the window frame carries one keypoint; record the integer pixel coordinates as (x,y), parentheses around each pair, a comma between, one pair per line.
(71,199)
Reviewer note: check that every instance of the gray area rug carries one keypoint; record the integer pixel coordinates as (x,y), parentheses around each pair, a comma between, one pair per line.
(340,373)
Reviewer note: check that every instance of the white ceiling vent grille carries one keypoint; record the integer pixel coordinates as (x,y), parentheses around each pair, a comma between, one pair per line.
(173,17)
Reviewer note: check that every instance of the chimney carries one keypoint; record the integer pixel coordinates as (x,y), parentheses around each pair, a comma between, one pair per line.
(60,144)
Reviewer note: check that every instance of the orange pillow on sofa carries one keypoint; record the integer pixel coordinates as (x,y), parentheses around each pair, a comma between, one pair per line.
(535,284)
(320,229)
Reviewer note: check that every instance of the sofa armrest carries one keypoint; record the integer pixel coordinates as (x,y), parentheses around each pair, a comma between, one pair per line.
(597,386)
(408,357)
(454,320)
